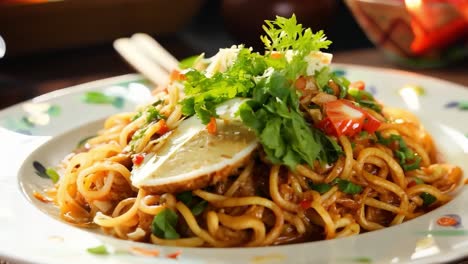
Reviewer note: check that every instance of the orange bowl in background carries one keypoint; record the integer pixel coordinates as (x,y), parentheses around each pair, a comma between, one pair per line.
(415,33)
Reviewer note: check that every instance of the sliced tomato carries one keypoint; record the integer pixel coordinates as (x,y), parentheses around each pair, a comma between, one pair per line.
(342,117)
(371,124)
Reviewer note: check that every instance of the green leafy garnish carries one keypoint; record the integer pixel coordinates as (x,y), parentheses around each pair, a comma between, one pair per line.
(347,186)
(418,180)
(185,197)
(164,224)
(285,34)
(196,204)
(136,116)
(365,99)
(204,93)
(198,208)
(321,187)
(428,198)
(324,75)
(273,112)
(406,157)
(99,250)
(153,114)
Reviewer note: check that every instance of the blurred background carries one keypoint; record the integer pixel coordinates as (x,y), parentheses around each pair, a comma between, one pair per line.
(55,44)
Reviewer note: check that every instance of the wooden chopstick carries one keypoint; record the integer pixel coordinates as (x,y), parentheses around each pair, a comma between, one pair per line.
(156,51)
(142,63)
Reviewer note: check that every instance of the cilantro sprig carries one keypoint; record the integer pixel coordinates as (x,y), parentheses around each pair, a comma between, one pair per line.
(343,185)
(196,204)
(273,113)
(164,224)
(273,109)
(204,93)
(286,34)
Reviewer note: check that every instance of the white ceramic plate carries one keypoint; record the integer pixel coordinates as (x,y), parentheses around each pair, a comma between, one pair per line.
(48,127)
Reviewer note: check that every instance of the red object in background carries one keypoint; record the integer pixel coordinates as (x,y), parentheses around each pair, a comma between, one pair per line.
(14,2)
(439,38)
(430,35)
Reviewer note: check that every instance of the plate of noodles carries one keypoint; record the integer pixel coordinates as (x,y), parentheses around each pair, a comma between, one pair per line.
(243,157)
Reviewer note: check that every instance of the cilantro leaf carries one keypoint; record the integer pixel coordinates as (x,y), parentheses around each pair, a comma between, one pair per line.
(286,34)
(198,208)
(164,223)
(365,99)
(347,186)
(428,199)
(185,197)
(204,93)
(274,115)
(321,187)
(324,75)
(153,114)
(407,159)
(273,111)
(196,204)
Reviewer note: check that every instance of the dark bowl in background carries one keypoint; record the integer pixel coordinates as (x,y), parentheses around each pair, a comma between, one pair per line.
(244,18)
(52,25)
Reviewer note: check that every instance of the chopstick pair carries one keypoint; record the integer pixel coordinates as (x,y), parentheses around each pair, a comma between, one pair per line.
(147,56)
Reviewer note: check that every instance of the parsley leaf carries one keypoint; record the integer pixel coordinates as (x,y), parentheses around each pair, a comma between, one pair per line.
(324,75)
(273,113)
(185,197)
(407,159)
(273,110)
(199,208)
(204,93)
(164,223)
(196,204)
(347,186)
(153,114)
(365,99)
(321,187)
(286,34)
(428,199)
